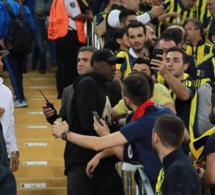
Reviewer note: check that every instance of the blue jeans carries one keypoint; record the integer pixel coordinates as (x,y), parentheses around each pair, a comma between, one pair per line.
(40,39)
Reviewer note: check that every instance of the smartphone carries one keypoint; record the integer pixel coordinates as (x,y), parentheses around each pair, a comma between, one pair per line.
(157,51)
(50,105)
(97,117)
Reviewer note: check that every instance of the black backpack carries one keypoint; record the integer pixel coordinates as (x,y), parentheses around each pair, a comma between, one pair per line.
(20,38)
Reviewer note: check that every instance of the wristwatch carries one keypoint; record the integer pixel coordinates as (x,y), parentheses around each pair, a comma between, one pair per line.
(64,135)
(15,152)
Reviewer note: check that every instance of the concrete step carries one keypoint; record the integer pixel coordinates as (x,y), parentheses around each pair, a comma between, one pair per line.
(34,90)
(42,152)
(35,81)
(50,191)
(31,74)
(39,161)
(23,118)
(35,172)
(22,133)
(58,182)
(29,142)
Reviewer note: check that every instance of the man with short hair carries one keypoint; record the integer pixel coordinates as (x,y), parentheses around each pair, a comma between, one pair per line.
(136,32)
(83,66)
(150,41)
(182,88)
(178,175)
(160,94)
(166,42)
(197,47)
(90,95)
(137,131)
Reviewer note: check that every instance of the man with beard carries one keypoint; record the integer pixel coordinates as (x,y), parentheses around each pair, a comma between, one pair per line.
(178,175)
(136,32)
(181,86)
(150,41)
(137,131)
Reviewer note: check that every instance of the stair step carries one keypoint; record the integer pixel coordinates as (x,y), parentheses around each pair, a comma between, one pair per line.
(42,152)
(49,141)
(35,172)
(50,182)
(31,74)
(22,133)
(50,191)
(35,107)
(47,90)
(38,160)
(22,118)
(35,82)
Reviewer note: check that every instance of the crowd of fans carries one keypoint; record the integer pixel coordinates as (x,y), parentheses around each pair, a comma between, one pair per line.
(169,44)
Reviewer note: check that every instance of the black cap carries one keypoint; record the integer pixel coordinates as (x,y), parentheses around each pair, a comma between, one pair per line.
(3,51)
(107,56)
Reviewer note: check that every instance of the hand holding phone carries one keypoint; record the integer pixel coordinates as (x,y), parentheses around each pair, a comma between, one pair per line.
(97,117)
(157,51)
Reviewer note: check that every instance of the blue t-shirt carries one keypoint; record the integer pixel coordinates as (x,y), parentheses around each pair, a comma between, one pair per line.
(139,134)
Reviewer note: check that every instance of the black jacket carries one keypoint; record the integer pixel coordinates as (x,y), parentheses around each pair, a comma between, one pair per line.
(89,95)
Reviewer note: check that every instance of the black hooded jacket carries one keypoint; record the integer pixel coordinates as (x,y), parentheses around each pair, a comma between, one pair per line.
(89,95)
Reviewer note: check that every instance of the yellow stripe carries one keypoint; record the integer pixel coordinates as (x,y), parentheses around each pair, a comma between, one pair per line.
(207,57)
(192,116)
(85,2)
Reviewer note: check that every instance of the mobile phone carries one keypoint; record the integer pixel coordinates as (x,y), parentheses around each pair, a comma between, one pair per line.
(157,51)
(97,117)
(50,105)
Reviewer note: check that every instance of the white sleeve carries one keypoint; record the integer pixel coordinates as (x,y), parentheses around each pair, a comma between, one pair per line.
(72,8)
(11,128)
(144,18)
(113,18)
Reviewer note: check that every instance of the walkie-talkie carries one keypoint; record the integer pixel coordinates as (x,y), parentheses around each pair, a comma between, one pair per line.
(50,105)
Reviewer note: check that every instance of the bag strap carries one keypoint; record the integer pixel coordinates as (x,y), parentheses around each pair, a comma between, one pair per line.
(22,11)
(9,9)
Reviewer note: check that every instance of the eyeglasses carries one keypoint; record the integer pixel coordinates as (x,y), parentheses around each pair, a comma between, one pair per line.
(192,28)
(210,4)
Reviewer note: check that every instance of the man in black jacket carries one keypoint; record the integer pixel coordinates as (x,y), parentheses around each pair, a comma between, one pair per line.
(90,95)
(178,175)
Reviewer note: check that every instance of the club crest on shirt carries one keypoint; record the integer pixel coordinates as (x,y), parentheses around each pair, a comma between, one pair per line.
(72,5)
(130,152)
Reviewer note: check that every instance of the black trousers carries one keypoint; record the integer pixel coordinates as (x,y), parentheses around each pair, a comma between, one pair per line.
(104,182)
(67,51)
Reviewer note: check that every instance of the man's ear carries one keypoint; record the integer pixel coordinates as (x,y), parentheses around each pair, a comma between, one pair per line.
(155,137)
(96,65)
(119,41)
(127,100)
(185,66)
